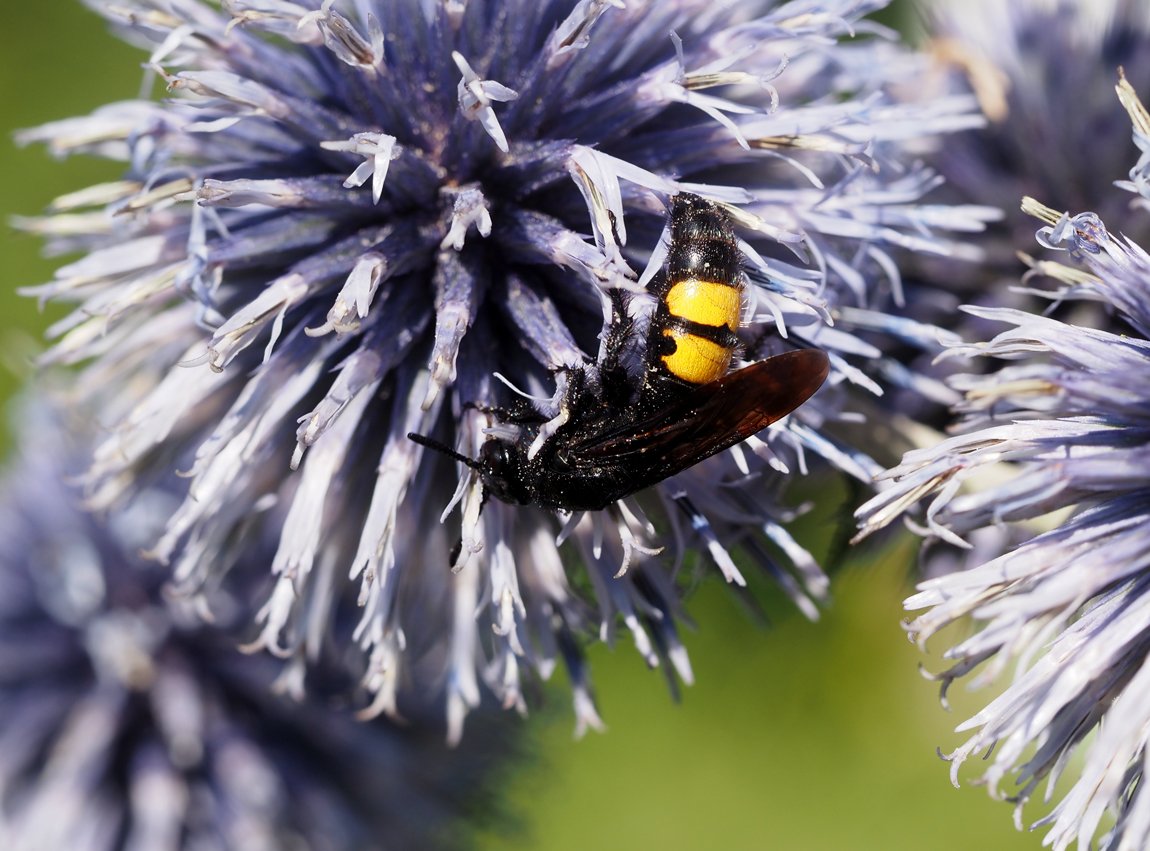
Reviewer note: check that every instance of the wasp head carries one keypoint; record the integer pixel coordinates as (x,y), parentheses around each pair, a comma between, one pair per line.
(501,471)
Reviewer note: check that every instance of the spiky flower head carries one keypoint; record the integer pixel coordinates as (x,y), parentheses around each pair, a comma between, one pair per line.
(1053,449)
(348,219)
(127,722)
(1020,58)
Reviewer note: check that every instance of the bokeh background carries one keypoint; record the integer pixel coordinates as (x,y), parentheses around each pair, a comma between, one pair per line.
(796,735)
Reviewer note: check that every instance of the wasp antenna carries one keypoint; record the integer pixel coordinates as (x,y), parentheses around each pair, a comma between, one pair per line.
(430,443)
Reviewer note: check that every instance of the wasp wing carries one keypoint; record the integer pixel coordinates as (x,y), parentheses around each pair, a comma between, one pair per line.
(708,419)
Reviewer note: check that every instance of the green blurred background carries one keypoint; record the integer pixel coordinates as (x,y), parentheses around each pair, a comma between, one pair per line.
(797,735)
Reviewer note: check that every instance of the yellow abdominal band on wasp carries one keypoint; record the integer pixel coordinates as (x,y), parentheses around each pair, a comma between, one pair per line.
(704,306)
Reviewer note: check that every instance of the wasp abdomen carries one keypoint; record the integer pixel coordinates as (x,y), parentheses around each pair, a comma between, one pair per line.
(693,334)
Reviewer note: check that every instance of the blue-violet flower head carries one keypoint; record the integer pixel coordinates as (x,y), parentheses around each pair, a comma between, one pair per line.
(1053,449)
(1020,58)
(127,722)
(350,217)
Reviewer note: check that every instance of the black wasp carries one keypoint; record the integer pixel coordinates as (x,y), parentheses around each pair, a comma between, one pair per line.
(624,434)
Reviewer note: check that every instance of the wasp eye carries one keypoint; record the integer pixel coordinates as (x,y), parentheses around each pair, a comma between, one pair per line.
(501,473)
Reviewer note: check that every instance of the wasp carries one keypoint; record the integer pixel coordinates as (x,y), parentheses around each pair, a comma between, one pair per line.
(621,434)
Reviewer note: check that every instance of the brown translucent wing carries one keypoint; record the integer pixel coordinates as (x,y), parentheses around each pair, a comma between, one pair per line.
(708,419)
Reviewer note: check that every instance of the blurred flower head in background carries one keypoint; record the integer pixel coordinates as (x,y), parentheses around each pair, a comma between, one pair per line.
(349,218)
(126,722)
(1043,72)
(1053,449)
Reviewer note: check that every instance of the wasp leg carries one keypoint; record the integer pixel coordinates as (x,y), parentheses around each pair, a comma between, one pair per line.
(618,332)
(615,386)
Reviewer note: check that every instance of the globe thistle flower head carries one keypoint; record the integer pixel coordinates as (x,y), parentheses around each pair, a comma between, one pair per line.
(1053,451)
(1017,59)
(1020,58)
(354,221)
(127,722)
